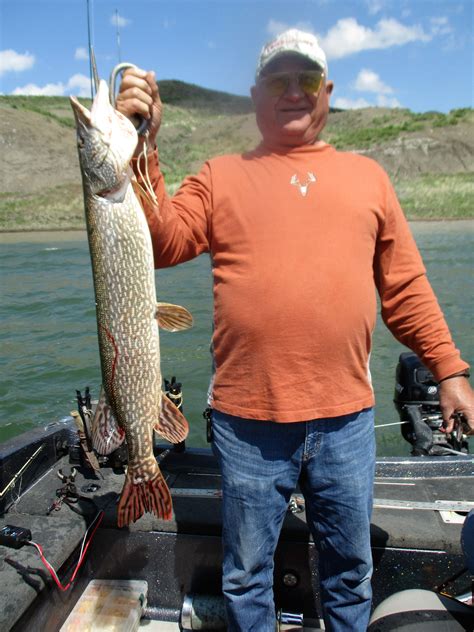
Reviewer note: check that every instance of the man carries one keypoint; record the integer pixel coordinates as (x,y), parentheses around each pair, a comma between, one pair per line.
(299,236)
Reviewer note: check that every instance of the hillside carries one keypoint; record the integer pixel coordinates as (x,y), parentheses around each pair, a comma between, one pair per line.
(429,156)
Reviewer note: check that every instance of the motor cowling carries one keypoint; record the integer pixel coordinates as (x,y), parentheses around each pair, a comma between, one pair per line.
(417,402)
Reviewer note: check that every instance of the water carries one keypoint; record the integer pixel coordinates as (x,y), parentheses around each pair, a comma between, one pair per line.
(49,341)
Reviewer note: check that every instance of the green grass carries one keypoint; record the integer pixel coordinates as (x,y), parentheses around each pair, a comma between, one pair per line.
(427,197)
(188,137)
(366,137)
(378,129)
(61,207)
(440,196)
(55,108)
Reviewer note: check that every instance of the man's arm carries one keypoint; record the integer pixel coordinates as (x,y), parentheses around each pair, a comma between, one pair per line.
(412,313)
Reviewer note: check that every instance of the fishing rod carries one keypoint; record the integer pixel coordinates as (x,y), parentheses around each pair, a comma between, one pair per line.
(91,51)
(117,35)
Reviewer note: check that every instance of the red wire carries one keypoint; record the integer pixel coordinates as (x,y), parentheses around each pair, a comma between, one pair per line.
(79,562)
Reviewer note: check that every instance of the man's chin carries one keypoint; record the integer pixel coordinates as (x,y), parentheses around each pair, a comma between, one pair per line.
(291,134)
(295,134)
(294,127)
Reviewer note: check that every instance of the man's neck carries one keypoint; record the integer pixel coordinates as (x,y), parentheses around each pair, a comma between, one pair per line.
(283,147)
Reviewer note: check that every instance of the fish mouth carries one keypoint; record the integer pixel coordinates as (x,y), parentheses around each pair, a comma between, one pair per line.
(81,113)
(99,114)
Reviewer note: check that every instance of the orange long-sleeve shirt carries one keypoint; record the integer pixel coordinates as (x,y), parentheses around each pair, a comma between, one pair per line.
(299,242)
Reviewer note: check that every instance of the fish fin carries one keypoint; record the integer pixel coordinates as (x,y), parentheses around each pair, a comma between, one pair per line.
(151,496)
(172,424)
(173,317)
(107,435)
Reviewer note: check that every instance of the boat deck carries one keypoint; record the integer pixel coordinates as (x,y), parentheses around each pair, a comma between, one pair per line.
(415,542)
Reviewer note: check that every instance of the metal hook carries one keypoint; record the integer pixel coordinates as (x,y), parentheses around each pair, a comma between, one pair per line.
(144,123)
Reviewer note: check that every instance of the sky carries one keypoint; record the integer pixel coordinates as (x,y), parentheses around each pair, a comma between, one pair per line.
(416,54)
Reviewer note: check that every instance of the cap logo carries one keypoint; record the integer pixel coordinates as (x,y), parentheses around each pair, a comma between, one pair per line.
(279,43)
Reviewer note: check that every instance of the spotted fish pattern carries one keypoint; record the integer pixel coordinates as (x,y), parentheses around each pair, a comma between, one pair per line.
(127,311)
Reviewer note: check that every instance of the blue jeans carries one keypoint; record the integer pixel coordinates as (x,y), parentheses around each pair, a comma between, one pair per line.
(261,463)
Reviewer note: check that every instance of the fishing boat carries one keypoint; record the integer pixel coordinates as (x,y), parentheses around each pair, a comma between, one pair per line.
(59,513)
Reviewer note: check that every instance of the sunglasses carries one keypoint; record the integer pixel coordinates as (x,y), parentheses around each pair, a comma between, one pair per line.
(276,84)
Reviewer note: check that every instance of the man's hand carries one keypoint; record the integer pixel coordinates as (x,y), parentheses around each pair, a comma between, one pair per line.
(138,95)
(456,397)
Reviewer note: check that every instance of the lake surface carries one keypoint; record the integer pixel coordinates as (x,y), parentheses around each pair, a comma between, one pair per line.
(49,341)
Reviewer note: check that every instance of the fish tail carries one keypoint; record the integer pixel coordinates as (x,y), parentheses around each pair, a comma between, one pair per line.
(151,496)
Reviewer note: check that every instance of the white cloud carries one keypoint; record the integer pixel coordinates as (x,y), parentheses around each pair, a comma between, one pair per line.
(440,26)
(275,28)
(388,102)
(49,90)
(369,81)
(81,54)
(354,104)
(77,84)
(374,6)
(11,61)
(350,104)
(348,36)
(118,20)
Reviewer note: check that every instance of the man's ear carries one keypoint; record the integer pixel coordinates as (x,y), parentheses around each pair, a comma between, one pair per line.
(329,87)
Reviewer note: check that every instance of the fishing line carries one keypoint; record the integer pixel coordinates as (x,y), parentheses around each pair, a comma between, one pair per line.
(394,423)
(146,178)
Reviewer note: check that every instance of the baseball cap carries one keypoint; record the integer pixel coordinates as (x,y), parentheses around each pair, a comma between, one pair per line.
(293,41)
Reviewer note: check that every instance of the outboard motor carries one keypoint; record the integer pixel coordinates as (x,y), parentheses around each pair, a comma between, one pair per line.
(417,402)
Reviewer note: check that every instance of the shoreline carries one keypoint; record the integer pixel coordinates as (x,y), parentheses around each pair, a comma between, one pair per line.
(80,234)
(43,235)
(67,229)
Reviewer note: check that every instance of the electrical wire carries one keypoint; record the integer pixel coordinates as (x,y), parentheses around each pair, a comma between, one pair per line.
(94,525)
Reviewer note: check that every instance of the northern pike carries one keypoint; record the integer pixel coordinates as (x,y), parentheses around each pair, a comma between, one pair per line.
(132,404)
